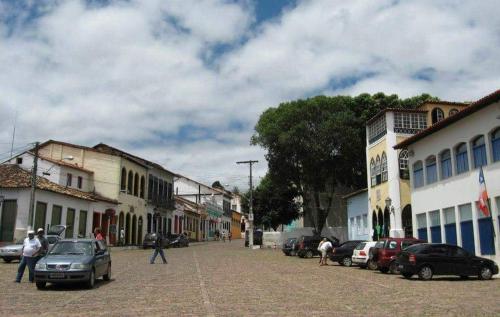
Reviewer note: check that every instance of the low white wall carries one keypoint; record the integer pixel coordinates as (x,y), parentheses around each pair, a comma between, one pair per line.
(275,239)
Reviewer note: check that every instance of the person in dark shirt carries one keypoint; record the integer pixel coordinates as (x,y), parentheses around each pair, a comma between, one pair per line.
(44,242)
(158,249)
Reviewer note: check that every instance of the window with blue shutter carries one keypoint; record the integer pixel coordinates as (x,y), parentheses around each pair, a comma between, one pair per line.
(461,158)
(431,170)
(418,175)
(446,170)
(495,145)
(479,151)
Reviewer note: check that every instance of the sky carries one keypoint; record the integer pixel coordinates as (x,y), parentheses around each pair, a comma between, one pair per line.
(183,83)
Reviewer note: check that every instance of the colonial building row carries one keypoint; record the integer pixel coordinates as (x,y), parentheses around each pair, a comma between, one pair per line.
(85,188)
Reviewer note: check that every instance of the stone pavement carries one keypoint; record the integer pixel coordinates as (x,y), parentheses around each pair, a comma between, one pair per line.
(225,279)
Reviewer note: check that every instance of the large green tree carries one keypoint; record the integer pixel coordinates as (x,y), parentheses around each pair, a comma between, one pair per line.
(275,204)
(318,144)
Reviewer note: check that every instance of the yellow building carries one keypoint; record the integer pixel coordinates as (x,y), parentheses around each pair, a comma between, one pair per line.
(389,198)
(236,225)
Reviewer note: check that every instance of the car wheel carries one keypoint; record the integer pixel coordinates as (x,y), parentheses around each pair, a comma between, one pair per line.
(425,273)
(7,260)
(393,268)
(384,269)
(309,254)
(372,265)
(107,276)
(40,285)
(407,275)
(347,261)
(485,273)
(91,282)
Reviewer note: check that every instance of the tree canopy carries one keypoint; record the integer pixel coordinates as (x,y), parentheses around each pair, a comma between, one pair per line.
(317,144)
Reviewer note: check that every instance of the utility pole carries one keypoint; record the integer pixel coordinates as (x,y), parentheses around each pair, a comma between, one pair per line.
(31,215)
(250,213)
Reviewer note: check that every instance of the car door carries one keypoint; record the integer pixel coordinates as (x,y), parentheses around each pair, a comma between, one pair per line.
(438,258)
(460,261)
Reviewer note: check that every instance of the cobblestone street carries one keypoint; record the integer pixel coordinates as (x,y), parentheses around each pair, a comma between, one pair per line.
(225,279)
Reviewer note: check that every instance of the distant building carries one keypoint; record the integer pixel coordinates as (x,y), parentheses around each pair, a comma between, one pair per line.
(444,162)
(389,200)
(357,215)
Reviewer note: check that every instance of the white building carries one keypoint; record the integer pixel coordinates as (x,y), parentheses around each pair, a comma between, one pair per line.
(54,204)
(216,201)
(444,162)
(357,215)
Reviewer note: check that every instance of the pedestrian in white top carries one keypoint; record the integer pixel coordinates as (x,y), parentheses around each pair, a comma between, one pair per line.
(325,247)
(31,248)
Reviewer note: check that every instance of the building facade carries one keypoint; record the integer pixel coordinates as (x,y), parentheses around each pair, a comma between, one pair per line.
(55,204)
(389,199)
(357,215)
(445,161)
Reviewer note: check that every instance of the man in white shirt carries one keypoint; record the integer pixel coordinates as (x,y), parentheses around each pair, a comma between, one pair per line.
(325,248)
(31,248)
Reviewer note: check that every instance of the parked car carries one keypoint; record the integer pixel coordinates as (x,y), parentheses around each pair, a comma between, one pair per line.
(343,253)
(308,245)
(361,255)
(290,247)
(150,238)
(257,237)
(427,260)
(178,241)
(11,252)
(386,250)
(71,261)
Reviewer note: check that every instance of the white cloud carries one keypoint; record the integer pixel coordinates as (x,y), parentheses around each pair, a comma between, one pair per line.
(133,73)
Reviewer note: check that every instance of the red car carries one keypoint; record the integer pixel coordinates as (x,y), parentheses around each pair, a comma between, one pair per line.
(387,249)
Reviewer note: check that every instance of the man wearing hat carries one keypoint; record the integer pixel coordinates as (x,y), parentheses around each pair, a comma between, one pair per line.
(31,247)
(43,242)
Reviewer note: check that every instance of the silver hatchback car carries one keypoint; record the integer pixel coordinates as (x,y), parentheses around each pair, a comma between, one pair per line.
(72,261)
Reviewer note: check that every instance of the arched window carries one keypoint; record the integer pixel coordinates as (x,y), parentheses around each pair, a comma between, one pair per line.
(446,170)
(403,164)
(431,169)
(123,181)
(461,158)
(136,184)
(418,174)
(479,151)
(437,115)
(130,182)
(384,167)
(495,144)
(143,187)
(373,173)
(378,170)
(452,112)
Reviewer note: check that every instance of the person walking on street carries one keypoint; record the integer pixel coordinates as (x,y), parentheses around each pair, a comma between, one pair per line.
(229,236)
(31,247)
(158,249)
(122,237)
(43,242)
(319,249)
(326,246)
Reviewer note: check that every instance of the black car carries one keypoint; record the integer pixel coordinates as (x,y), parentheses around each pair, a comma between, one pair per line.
(150,238)
(178,241)
(308,245)
(290,247)
(343,253)
(428,259)
(257,237)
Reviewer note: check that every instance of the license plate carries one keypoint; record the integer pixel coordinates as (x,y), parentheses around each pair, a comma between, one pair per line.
(56,275)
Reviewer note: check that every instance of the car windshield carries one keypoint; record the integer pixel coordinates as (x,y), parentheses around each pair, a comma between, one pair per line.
(417,248)
(72,248)
(361,246)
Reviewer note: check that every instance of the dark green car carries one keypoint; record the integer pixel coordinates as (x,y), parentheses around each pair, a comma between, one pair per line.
(74,261)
